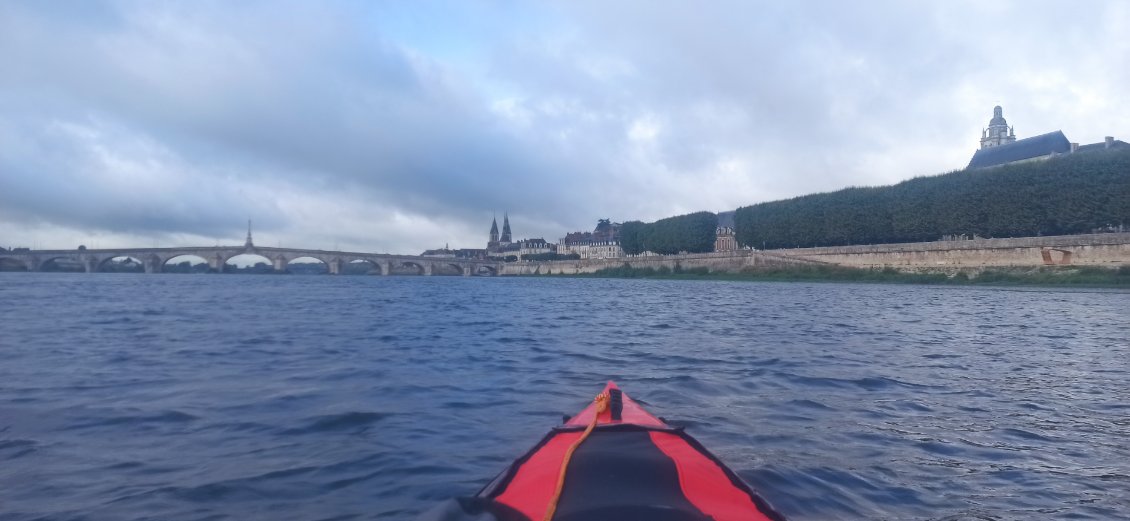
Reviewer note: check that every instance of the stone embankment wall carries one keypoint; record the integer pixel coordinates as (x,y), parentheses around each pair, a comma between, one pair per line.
(1105,249)
(726,262)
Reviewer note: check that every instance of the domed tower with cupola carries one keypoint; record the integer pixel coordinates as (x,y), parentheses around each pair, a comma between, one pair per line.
(998,133)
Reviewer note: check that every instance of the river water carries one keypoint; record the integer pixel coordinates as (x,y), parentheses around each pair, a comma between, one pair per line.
(184,397)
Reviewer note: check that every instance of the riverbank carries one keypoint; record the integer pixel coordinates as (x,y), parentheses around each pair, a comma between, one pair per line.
(1042,276)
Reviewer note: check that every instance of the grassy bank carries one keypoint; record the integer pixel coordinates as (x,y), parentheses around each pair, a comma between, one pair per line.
(1052,275)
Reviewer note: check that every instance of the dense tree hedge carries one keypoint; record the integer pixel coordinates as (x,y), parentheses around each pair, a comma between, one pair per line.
(693,233)
(1064,195)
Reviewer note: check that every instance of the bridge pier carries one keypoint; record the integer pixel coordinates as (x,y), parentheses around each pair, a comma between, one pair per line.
(428,269)
(334,267)
(385,267)
(279,264)
(466,271)
(216,264)
(152,265)
(90,265)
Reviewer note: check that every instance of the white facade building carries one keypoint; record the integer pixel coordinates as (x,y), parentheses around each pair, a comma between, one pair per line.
(592,250)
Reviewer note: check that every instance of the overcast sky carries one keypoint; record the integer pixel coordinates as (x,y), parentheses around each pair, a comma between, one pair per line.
(399,126)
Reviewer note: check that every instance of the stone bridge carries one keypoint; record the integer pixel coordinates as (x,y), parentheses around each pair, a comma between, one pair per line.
(154,259)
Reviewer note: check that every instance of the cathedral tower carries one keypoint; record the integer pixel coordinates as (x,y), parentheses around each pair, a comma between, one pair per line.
(493,242)
(505,240)
(998,133)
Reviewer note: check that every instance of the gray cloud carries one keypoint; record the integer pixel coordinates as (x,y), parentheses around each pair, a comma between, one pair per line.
(339,123)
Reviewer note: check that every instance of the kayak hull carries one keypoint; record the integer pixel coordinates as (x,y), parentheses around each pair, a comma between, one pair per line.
(635,467)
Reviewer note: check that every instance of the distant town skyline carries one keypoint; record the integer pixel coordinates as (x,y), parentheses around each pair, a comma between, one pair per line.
(400,127)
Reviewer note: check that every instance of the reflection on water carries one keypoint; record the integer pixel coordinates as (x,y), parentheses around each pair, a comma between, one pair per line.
(233,397)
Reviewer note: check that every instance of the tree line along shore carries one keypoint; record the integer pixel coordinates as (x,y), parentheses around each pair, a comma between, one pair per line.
(1066,195)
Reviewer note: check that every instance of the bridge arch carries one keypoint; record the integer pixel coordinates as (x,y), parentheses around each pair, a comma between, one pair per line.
(245,262)
(484,270)
(447,268)
(420,268)
(13,264)
(62,263)
(121,264)
(186,263)
(302,264)
(374,268)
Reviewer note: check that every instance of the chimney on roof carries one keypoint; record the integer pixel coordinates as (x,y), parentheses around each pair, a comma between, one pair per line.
(1074,147)
(1109,141)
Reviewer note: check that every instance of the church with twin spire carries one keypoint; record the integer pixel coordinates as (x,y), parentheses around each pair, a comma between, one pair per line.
(499,243)
(503,246)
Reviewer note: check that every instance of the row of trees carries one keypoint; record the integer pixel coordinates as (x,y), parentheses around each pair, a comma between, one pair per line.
(692,233)
(1066,195)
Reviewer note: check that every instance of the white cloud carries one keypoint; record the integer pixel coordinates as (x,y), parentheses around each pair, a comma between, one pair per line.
(393,128)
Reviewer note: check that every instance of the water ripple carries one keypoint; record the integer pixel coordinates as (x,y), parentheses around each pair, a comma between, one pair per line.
(305,398)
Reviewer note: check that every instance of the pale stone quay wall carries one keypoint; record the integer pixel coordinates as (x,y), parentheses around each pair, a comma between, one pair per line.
(1106,249)
(726,262)
(1103,249)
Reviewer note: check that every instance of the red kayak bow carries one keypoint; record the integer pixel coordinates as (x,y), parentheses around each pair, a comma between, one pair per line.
(632,466)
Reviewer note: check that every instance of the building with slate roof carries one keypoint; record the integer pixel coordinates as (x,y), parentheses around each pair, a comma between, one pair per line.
(1027,149)
(1108,144)
(999,145)
(601,243)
